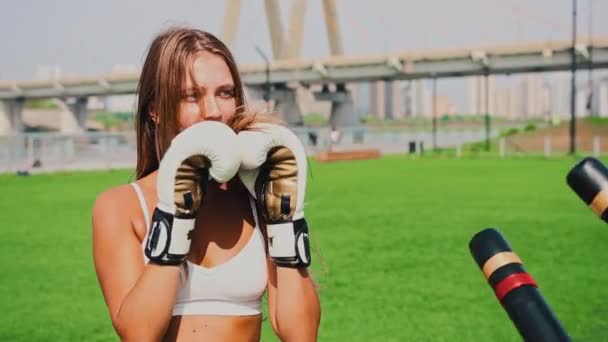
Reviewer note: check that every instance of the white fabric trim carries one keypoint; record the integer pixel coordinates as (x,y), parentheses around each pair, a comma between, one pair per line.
(142,202)
(218,307)
(255,213)
(220,302)
(144,208)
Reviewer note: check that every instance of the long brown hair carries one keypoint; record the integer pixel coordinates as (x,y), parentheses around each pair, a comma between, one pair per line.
(169,59)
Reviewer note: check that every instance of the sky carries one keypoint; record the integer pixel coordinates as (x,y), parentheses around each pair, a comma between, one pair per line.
(93,37)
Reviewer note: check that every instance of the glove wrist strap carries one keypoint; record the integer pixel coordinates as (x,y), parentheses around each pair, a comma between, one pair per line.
(168,240)
(288,244)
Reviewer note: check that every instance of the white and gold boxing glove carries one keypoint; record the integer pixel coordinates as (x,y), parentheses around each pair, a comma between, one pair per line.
(274,170)
(198,154)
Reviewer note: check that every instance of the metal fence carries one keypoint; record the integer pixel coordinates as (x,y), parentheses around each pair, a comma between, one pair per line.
(59,152)
(387,140)
(42,152)
(551,145)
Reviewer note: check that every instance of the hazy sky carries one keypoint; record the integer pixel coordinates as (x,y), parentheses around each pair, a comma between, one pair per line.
(90,37)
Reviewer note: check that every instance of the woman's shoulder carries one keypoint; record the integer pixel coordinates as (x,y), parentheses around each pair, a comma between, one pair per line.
(114,205)
(116,196)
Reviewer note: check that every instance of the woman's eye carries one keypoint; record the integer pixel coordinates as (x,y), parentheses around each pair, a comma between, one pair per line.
(227,93)
(191,97)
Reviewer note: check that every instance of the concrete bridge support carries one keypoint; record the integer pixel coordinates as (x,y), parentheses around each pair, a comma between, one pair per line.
(284,100)
(11,114)
(286,105)
(342,106)
(74,117)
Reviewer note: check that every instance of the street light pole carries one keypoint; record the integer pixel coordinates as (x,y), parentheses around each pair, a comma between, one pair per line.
(573,85)
(434,113)
(590,98)
(267,85)
(487,116)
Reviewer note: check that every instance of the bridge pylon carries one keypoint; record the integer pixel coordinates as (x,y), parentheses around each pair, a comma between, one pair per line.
(74,116)
(11,113)
(287,46)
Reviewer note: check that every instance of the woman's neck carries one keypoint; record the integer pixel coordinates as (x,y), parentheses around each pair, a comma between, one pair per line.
(232,187)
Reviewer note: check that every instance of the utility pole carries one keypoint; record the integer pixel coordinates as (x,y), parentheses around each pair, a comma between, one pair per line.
(573,85)
(590,98)
(487,105)
(434,113)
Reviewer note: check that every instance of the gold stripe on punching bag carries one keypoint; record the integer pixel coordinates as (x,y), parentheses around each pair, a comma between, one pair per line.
(498,260)
(600,202)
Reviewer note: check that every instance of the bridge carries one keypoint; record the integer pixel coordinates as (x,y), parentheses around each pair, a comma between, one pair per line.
(337,69)
(506,59)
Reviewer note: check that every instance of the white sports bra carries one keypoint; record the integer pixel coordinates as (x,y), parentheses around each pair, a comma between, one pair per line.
(233,288)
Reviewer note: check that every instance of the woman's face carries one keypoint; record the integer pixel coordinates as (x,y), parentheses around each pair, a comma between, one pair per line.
(211,96)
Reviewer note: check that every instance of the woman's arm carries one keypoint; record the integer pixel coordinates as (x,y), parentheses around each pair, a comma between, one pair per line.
(139,297)
(293,303)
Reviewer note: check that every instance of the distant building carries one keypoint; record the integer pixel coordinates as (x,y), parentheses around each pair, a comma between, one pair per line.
(560,93)
(376,103)
(503,104)
(529,96)
(398,100)
(560,98)
(516,106)
(478,94)
(602,99)
(361,98)
(417,99)
(599,99)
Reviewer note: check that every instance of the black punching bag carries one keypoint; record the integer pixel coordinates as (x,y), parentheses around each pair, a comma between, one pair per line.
(515,289)
(589,179)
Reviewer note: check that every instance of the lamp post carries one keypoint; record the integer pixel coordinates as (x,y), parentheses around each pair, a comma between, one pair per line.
(434,112)
(487,105)
(267,85)
(590,98)
(573,85)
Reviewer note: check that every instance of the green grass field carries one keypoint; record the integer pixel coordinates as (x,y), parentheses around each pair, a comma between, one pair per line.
(394,234)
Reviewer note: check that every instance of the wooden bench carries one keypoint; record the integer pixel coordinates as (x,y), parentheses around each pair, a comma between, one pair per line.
(329,156)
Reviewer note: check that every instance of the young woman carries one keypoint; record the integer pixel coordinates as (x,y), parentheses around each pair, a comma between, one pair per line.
(190,76)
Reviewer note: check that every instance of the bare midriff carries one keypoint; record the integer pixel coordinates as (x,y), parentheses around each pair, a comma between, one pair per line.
(214,328)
